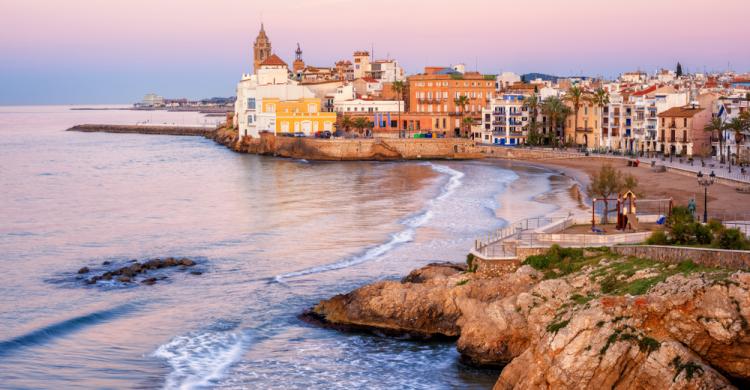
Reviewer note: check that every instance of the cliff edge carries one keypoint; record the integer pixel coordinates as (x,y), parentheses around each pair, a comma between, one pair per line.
(571,319)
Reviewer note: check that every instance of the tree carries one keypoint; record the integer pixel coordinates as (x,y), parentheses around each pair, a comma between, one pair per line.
(738,125)
(532,104)
(346,122)
(678,71)
(461,103)
(467,122)
(600,98)
(398,88)
(556,111)
(574,96)
(717,126)
(609,183)
(361,123)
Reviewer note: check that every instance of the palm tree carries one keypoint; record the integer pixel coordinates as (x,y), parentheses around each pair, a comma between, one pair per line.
(599,98)
(574,96)
(398,88)
(556,111)
(361,123)
(717,126)
(461,103)
(531,102)
(467,122)
(347,122)
(738,125)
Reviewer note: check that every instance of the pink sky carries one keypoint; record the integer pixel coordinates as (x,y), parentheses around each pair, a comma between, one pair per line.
(198,38)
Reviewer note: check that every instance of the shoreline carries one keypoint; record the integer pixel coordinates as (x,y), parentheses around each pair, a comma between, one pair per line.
(722,197)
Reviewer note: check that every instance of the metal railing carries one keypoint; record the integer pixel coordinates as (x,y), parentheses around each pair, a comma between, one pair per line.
(493,244)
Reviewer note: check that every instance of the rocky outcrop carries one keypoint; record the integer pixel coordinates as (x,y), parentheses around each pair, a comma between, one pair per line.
(134,270)
(590,322)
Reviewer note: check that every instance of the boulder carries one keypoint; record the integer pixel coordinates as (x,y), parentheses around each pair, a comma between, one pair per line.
(83,270)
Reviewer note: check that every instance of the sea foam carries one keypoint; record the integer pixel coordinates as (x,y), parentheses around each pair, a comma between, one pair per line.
(411,224)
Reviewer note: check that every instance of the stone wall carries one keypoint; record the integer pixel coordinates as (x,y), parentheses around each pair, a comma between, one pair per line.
(361,149)
(495,268)
(675,254)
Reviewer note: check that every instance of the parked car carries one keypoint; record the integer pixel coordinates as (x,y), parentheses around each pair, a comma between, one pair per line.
(323,134)
(299,134)
(286,135)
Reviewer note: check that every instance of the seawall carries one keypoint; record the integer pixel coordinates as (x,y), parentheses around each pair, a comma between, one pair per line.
(207,132)
(355,149)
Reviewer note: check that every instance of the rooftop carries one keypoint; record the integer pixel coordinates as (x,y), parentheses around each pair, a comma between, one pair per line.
(681,112)
(273,60)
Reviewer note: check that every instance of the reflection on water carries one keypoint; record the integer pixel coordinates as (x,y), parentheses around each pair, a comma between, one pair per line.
(75,199)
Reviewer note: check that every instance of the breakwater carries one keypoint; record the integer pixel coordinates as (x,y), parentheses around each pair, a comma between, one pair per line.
(146,129)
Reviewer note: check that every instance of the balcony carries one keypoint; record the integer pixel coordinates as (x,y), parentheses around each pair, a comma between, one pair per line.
(584,130)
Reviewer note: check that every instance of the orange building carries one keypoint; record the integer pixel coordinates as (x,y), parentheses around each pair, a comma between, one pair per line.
(434,92)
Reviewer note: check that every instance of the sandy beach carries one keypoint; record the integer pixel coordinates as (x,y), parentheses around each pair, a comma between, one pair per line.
(723,199)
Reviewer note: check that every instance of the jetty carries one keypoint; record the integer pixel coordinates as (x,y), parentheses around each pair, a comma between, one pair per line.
(152,129)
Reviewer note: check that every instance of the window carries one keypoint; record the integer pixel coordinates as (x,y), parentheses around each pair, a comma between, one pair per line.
(250,103)
(684,122)
(249,119)
(312,108)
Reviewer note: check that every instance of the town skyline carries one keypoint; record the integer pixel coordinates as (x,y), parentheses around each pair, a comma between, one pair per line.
(199,52)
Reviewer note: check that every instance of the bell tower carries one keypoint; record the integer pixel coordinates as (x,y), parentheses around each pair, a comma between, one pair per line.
(261,49)
(298,64)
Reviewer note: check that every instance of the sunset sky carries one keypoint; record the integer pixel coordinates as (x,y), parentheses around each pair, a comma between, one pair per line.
(115,51)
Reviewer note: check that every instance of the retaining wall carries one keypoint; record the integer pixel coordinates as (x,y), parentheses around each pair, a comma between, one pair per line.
(361,149)
(675,254)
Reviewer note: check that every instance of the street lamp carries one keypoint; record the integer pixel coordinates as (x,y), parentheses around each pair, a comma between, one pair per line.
(705,181)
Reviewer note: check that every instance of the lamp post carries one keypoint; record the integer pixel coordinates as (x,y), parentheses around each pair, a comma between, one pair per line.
(705,181)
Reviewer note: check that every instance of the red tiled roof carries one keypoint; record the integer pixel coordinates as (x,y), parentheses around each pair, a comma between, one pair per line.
(645,91)
(681,112)
(273,60)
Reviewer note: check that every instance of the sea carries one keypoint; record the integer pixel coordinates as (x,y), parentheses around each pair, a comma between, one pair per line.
(271,237)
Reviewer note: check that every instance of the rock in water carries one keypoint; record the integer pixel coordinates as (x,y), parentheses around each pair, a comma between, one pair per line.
(187,262)
(83,270)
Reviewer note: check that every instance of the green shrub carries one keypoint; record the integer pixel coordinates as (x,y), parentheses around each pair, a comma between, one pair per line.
(462,282)
(566,260)
(556,326)
(731,239)
(658,238)
(471,267)
(680,214)
(703,234)
(715,225)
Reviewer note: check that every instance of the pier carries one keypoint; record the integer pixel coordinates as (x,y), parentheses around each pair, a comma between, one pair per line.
(183,130)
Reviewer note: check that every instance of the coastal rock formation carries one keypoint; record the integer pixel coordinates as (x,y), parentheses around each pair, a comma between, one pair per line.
(129,273)
(573,320)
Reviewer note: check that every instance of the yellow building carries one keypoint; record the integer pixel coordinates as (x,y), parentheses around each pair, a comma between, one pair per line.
(301,115)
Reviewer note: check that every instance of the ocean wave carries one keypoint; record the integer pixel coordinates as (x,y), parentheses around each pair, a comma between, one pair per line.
(62,328)
(199,360)
(412,223)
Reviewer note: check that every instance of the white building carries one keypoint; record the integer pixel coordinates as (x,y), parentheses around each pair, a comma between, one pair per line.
(272,81)
(387,71)
(152,100)
(506,79)
(504,122)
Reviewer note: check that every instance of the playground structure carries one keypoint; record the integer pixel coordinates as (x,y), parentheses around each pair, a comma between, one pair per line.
(627,216)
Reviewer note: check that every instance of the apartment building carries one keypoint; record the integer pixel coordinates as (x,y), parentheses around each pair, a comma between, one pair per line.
(681,131)
(435,91)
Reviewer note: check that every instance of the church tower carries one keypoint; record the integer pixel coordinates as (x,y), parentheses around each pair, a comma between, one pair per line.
(298,64)
(261,49)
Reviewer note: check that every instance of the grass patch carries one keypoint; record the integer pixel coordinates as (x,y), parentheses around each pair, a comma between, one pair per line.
(691,368)
(556,326)
(462,282)
(580,299)
(648,345)
(558,261)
